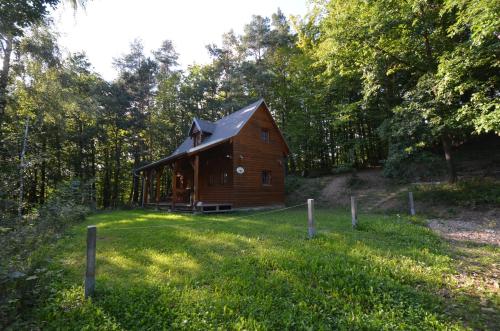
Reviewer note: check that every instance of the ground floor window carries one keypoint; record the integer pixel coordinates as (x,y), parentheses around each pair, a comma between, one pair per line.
(266,177)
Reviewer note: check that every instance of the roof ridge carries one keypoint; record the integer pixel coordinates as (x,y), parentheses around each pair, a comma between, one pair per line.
(252,105)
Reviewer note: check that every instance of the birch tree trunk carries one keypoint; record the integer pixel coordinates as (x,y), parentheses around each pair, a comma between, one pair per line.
(21,170)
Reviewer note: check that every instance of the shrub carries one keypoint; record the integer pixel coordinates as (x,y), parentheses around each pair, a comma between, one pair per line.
(421,165)
(21,272)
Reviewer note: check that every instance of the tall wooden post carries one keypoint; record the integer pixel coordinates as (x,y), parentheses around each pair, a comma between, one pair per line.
(143,188)
(151,183)
(412,205)
(310,218)
(158,185)
(174,185)
(196,180)
(90,272)
(146,186)
(354,213)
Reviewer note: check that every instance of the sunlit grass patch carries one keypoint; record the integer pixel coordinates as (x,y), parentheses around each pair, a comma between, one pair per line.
(258,272)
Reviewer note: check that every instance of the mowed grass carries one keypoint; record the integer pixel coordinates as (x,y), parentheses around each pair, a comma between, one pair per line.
(179,271)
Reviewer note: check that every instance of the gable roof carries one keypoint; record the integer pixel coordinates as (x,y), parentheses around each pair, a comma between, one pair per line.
(221,130)
(203,126)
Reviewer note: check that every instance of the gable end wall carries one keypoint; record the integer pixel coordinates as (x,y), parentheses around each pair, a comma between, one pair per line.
(257,156)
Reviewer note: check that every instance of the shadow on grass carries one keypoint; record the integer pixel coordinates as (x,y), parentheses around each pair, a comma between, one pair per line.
(207,272)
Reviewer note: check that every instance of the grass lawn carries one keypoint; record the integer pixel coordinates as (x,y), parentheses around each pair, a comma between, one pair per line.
(237,272)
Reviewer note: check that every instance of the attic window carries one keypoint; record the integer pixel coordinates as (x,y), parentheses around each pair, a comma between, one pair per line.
(264,135)
(197,139)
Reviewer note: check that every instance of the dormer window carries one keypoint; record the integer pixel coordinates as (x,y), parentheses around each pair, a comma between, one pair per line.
(200,130)
(197,139)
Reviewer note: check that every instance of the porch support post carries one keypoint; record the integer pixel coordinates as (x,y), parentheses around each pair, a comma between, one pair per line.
(143,177)
(158,185)
(146,186)
(150,188)
(174,185)
(196,180)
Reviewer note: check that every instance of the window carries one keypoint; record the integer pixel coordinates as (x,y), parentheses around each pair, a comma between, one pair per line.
(224,177)
(197,139)
(266,177)
(264,135)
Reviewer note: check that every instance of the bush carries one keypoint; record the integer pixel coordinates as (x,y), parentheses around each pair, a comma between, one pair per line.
(21,272)
(419,166)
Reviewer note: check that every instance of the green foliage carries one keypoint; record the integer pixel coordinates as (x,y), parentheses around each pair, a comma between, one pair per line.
(219,272)
(403,166)
(23,273)
(427,70)
(19,14)
(468,193)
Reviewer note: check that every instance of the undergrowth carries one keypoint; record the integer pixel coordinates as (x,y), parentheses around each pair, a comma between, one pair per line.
(465,193)
(24,278)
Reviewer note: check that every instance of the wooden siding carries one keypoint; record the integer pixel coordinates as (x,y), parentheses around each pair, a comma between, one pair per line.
(248,150)
(213,162)
(255,156)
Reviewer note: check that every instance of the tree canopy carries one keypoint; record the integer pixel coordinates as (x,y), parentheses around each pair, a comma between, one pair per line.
(352,84)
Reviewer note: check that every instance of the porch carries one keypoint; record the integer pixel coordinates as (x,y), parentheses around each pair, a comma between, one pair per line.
(186,182)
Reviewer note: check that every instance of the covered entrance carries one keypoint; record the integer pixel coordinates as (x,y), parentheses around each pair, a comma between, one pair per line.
(201,181)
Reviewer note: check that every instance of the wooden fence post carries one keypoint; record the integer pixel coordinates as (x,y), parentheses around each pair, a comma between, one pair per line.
(90,273)
(412,205)
(354,212)
(310,218)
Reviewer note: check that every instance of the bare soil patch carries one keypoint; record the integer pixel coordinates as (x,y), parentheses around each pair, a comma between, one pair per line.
(372,190)
(475,226)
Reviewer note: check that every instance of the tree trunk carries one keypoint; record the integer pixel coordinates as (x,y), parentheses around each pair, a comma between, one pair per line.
(4,77)
(106,181)
(135,180)
(93,199)
(116,176)
(21,171)
(452,175)
(43,172)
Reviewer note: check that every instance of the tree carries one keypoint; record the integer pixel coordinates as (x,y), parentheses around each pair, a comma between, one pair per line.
(417,60)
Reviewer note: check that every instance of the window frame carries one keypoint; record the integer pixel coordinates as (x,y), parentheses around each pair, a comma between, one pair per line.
(265,135)
(266,178)
(197,139)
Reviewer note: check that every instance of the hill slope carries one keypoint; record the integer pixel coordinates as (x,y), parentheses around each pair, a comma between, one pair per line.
(468,210)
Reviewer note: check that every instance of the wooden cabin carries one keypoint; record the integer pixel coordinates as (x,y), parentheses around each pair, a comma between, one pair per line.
(237,162)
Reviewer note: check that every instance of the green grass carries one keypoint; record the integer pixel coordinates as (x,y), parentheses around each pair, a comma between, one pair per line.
(256,273)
